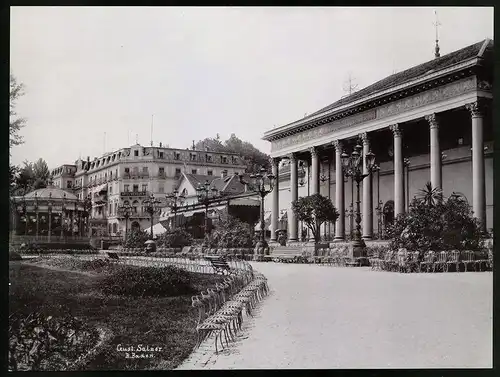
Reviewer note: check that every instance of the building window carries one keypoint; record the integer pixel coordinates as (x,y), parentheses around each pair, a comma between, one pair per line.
(135,204)
(136,153)
(210,172)
(161,189)
(115,228)
(177,156)
(126,188)
(194,171)
(135,188)
(145,187)
(177,171)
(127,170)
(68,184)
(145,170)
(224,159)
(110,189)
(209,158)
(192,156)
(160,154)
(110,209)
(162,171)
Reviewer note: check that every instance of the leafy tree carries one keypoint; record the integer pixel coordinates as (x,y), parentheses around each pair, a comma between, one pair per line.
(136,238)
(13,172)
(25,178)
(315,210)
(41,173)
(231,233)
(15,123)
(436,225)
(177,237)
(254,158)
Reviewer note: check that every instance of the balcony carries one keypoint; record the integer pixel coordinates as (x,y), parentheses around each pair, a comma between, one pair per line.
(133,193)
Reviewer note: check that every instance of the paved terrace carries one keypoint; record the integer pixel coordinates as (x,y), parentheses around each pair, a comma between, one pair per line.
(334,317)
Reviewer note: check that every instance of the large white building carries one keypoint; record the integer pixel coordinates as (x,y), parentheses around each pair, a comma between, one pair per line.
(130,175)
(432,122)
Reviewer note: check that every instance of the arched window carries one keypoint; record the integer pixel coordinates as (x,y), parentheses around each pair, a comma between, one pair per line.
(115,228)
(135,205)
(126,203)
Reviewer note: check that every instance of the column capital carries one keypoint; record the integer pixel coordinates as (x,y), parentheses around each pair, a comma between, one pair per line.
(314,151)
(275,160)
(292,157)
(364,138)
(396,130)
(339,146)
(431,119)
(476,109)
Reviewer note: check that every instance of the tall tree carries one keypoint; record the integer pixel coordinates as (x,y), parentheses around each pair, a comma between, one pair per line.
(15,122)
(25,179)
(254,158)
(41,173)
(315,210)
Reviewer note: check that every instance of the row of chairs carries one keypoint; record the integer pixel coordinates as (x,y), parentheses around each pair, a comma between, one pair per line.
(337,256)
(220,310)
(431,261)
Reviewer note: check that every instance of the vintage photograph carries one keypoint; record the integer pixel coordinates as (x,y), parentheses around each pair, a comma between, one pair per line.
(250,188)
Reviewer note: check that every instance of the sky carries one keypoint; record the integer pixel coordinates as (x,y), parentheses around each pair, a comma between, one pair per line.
(97,78)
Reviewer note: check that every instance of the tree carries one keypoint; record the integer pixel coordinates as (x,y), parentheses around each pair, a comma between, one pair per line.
(41,173)
(430,196)
(15,123)
(13,173)
(315,210)
(25,178)
(254,159)
(231,233)
(436,225)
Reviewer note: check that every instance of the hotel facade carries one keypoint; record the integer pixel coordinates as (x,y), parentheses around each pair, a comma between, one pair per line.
(432,122)
(129,175)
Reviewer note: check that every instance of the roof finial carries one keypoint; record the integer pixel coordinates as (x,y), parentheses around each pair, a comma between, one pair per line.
(436,25)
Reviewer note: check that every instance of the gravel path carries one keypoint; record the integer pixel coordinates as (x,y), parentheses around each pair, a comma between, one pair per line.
(334,317)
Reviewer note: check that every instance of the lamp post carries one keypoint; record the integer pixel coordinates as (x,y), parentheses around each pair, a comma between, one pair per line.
(49,209)
(152,206)
(262,183)
(205,196)
(175,201)
(353,166)
(125,210)
(36,215)
(87,206)
(63,218)
(406,164)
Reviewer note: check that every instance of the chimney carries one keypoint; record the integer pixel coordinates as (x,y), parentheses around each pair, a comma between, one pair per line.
(160,144)
(223,174)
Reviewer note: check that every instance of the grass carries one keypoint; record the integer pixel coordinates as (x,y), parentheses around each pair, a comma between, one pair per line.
(167,322)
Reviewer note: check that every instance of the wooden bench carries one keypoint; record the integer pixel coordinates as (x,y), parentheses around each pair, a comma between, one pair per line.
(220,266)
(112,256)
(285,254)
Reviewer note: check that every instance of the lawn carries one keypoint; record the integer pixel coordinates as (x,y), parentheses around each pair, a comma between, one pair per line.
(166,322)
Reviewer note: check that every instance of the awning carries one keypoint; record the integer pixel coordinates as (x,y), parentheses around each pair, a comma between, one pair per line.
(254,202)
(267,222)
(189,213)
(157,229)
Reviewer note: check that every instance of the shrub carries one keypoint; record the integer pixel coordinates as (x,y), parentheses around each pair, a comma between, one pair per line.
(436,225)
(230,233)
(43,342)
(177,237)
(136,238)
(314,210)
(147,281)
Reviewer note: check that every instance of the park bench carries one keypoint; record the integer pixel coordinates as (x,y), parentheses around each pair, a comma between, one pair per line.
(219,265)
(285,254)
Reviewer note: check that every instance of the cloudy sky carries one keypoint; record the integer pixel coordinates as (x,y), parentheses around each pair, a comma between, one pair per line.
(202,71)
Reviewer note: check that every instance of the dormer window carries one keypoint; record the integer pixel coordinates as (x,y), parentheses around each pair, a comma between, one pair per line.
(224,159)
(136,153)
(160,154)
(177,156)
(209,158)
(192,156)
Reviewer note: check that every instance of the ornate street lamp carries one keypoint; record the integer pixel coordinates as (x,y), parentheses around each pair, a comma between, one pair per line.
(152,207)
(261,183)
(49,207)
(353,167)
(406,165)
(206,195)
(63,217)
(175,201)
(125,210)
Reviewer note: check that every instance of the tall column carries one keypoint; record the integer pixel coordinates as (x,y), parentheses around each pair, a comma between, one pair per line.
(478,181)
(436,169)
(276,197)
(315,170)
(367,193)
(294,188)
(399,199)
(339,191)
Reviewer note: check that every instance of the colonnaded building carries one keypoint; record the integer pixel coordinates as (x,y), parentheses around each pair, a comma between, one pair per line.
(432,122)
(129,175)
